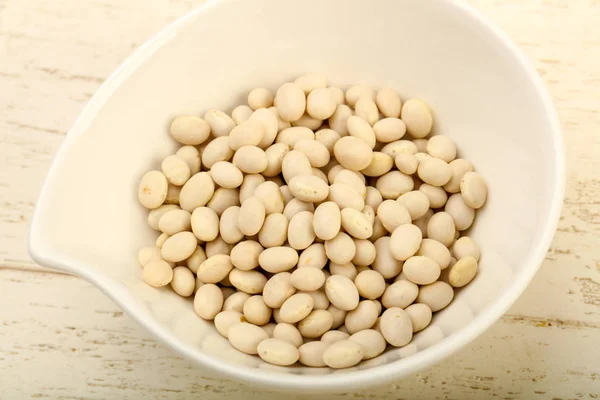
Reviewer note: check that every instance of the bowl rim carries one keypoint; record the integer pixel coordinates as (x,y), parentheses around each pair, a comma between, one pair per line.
(305,383)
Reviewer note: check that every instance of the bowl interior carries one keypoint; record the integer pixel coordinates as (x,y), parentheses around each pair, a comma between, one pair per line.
(89,221)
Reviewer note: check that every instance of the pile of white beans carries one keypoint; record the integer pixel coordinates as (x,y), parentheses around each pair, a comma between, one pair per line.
(313,225)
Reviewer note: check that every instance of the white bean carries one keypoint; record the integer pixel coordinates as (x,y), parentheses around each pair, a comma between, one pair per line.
(278,352)
(370,284)
(339,120)
(246,337)
(343,354)
(320,103)
(308,188)
(250,159)
(307,279)
(179,247)
(295,164)
(175,221)
(341,249)
(222,199)
(313,256)
(399,146)
(362,317)
(371,341)
(417,117)
(436,251)
(256,311)
(311,353)
(436,195)
(296,308)
(300,230)
(388,102)
(226,175)
(401,294)
(235,302)
(389,130)
(316,152)
(353,153)
(251,282)
(275,154)
(226,319)
(405,242)
(348,270)
(220,123)
(466,247)
(462,214)
(365,253)
(420,315)
(216,150)
(346,197)
(396,326)
(291,135)
(249,185)
(294,206)
(274,231)
(356,92)
(189,130)
(176,169)
(441,228)
(152,190)
(208,301)
(260,98)
(421,270)
(289,333)
(156,214)
(157,273)
(241,114)
(441,147)
(327,220)
(290,101)
(436,295)
(334,336)
(473,189)
(392,214)
(197,258)
(214,269)
(359,128)
(380,164)
(341,292)
(406,163)
(315,324)
(367,110)
(147,254)
(278,259)
(311,81)
(328,138)
(356,223)
(393,184)
(183,281)
(205,224)
(197,191)
(252,216)
(229,225)
(278,289)
(217,246)
(463,272)
(373,197)
(384,262)
(415,202)
(459,168)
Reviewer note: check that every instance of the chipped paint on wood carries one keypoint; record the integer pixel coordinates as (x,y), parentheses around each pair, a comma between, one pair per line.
(62,338)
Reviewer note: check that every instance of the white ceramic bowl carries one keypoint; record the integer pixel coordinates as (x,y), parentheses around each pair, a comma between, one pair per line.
(484,94)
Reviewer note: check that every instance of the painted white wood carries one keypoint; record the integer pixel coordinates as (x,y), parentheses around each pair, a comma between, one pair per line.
(60,337)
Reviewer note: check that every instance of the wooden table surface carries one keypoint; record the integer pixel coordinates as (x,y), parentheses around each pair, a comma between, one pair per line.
(60,337)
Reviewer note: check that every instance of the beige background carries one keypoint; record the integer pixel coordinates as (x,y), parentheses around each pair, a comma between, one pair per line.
(61,338)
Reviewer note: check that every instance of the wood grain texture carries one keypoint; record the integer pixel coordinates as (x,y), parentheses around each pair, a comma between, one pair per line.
(60,337)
